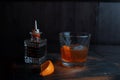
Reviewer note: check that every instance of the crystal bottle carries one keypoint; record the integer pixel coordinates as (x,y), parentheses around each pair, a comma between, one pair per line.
(35,47)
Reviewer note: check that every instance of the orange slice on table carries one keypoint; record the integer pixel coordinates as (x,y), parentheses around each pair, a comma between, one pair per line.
(47,68)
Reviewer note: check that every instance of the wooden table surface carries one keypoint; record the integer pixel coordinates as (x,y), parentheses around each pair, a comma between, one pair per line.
(96,68)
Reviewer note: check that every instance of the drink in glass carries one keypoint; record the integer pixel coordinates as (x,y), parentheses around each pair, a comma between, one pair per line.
(74,48)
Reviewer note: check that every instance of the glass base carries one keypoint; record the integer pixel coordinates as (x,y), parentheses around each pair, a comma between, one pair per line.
(71,64)
(31,60)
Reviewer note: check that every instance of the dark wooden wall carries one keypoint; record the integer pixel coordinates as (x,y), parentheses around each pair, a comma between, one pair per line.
(108,23)
(17,20)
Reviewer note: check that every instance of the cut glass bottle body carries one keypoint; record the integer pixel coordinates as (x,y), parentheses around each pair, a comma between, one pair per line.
(35,52)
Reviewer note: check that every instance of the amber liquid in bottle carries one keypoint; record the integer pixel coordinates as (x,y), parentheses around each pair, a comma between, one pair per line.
(35,52)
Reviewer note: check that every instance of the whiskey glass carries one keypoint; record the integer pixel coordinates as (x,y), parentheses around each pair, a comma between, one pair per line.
(74,48)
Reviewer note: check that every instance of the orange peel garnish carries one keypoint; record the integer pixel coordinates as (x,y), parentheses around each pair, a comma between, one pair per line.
(47,68)
(66,53)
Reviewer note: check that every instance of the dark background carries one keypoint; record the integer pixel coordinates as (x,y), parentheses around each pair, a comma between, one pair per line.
(101,19)
(17,20)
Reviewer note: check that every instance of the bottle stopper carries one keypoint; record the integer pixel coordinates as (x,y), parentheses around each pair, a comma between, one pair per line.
(36,32)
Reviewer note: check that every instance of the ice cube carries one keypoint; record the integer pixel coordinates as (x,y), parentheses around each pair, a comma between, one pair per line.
(80,47)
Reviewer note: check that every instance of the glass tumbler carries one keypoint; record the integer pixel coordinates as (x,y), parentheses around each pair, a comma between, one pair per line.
(74,48)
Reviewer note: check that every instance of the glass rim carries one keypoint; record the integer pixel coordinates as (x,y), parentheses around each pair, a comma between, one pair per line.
(76,34)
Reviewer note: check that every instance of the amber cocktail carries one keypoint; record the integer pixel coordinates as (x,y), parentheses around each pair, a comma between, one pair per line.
(74,48)
(68,54)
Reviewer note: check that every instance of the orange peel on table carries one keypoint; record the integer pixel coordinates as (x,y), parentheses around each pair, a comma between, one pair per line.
(47,68)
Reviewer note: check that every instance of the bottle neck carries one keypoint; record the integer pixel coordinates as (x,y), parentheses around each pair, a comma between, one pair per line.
(35,37)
